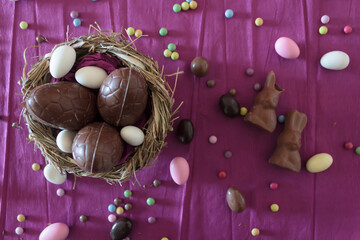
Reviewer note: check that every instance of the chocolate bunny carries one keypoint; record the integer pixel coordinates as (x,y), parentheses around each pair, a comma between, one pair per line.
(262,114)
(286,154)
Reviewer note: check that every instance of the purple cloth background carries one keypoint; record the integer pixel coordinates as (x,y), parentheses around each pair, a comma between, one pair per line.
(312,206)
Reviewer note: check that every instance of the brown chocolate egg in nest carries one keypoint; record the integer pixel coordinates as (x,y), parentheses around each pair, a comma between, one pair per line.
(156,119)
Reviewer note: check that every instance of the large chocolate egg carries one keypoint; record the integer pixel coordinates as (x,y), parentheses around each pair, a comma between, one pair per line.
(121,229)
(122,97)
(97,147)
(199,66)
(65,105)
(235,200)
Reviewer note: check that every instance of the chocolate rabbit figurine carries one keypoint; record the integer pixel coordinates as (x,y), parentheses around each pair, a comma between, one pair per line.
(286,154)
(262,114)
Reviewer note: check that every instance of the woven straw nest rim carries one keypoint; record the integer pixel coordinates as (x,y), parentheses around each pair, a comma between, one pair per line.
(160,97)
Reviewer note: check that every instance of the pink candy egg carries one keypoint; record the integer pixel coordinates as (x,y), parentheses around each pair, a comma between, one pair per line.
(287,48)
(55,231)
(179,170)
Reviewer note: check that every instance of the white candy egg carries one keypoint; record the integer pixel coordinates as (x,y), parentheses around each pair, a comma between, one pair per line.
(64,140)
(61,61)
(335,60)
(52,175)
(91,76)
(132,135)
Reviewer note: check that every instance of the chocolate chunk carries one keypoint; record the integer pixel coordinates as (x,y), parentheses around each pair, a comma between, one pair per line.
(199,66)
(121,229)
(65,105)
(229,105)
(286,154)
(262,114)
(185,131)
(97,147)
(235,200)
(122,97)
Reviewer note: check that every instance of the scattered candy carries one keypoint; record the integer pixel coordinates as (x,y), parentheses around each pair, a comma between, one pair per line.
(235,200)
(229,13)
(164,238)
(128,206)
(193,5)
(121,229)
(229,105)
(167,53)
(273,186)
(176,8)
(74,14)
(175,56)
(348,145)
(156,183)
(130,31)
(199,66)
(185,6)
(138,33)
(179,170)
(357,150)
(52,175)
(151,220)
(232,91)
(189,1)
(335,60)
(255,232)
(222,174)
(257,87)
(40,38)
(127,193)
(111,208)
(150,201)
(323,30)
(77,22)
(210,83)
(23,25)
(325,19)
(163,32)
(172,47)
(243,111)
(55,231)
(119,210)
(35,167)
(111,218)
(281,119)
(228,154)
(83,218)
(287,48)
(259,22)
(249,72)
(347,29)
(212,139)
(319,162)
(274,207)
(20,217)
(19,230)
(118,201)
(60,192)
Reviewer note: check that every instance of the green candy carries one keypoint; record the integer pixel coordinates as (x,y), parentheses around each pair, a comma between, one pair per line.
(127,193)
(172,47)
(177,8)
(323,30)
(150,201)
(357,150)
(163,32)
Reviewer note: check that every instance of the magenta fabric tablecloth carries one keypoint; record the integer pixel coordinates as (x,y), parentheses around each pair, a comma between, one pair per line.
(320,206)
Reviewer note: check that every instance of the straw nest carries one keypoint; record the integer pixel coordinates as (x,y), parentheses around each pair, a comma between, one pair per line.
(160,97)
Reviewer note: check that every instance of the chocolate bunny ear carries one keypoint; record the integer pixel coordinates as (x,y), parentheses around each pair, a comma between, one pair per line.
(270,82)
(295,120)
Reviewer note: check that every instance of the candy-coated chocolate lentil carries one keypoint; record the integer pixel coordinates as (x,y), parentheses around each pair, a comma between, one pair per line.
(138,33)
(128,206)
(229,13)
(164,238)
(130,31)
(323,30)
(213,139)
(281,118)
(257,87)
(35,167)
(249,72)
(111,218)
(175,56)
(19,230)
(172,47)
(325,19)
(119,210)
(228,154)
(232,91)
(176,8)
(210,83)
(76,22)
(274,186)
(259,22)
(111,208)
(118,201)
(60,192)
(348,145)
(243,111)
(222,174)
(151,220)
(193,5)
(83,218)
(255,232)
(274,207)
(20,217)
(163,32)
(185,6)
(74,14)
(23,25)
(167,53)
(189,1)
(357,150)
(347,29)
(127,193)
(150,201)
(156,183)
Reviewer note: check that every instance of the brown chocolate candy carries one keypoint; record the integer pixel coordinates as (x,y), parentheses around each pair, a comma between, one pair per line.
(185,131)
(235,200)
(97,147)
(262,114)
(199,66)
(121,229)
(66,105)
(286,154)
(229,105)
(122,97)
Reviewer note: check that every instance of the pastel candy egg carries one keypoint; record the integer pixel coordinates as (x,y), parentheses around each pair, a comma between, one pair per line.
(53,176)
(179,170)
(61,61)
(319,162)
(90,76)
(287,48)
(132,135)
(55,231)
(64,140)
(335,60)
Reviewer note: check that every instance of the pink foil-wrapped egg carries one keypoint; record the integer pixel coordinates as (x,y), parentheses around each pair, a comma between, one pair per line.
(287,48)
(179,170)
(55,231)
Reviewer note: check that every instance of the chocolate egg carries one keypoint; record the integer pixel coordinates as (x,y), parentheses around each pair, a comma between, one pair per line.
(185,131)
(121,229)
(199,66)
(229,105)
(235,200)
(97,147)
(122,97)
(65,105)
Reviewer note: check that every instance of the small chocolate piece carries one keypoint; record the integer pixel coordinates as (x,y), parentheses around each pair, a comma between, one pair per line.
(118,201)
(199,66)
(66,105)
(121,229)
(235,200)
(122,97)
(97,147)
(232,91)
(286,154)
(156,183)
(210,83)
(185,131)
(249,72)
(40,38)
(229,105)
(128,206)
(262,114)
(83,218)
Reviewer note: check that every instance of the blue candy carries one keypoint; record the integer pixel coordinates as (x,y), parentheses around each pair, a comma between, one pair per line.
(77,22)
(229,13)
(281,119)
(112,208)
(189,1)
